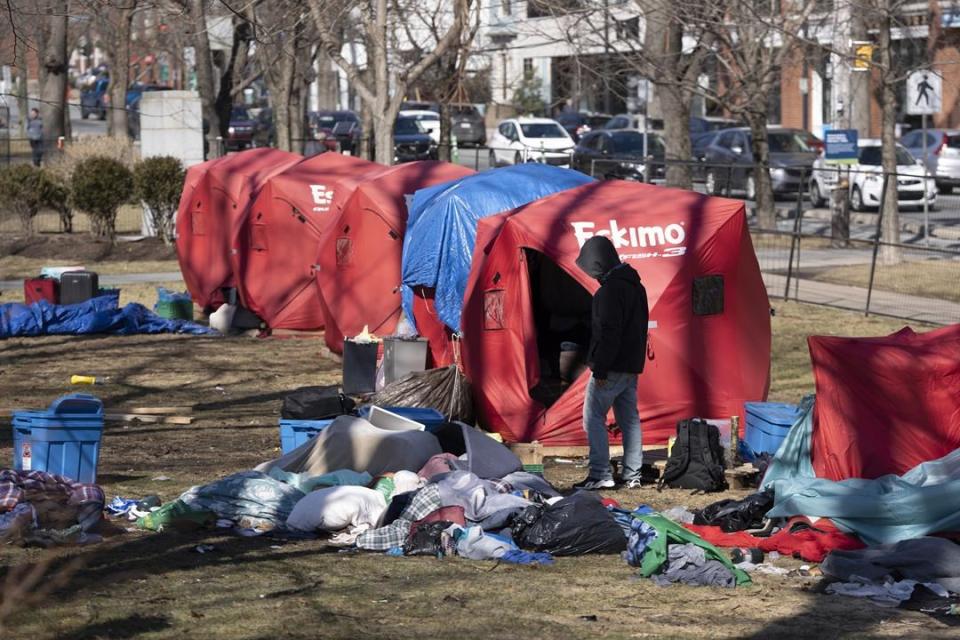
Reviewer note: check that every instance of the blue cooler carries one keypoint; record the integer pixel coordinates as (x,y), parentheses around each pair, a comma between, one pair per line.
(768,423)
(62,440)
(431,419)
(294,433)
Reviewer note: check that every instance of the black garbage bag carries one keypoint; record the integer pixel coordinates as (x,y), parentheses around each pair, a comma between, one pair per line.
(577,525)
(445,390)
(736,515)
(425,539)
(316,403)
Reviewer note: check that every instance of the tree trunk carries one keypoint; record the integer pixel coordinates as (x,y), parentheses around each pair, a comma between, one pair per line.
(23,105)
(205,81)
(383,137)
(53,95)
(327,80)
(282,103)
(663,40)
(366,128)
(888,105)
(120,69)
(232,69)
(676,132)
(858,109)
(766,210)
(445,149)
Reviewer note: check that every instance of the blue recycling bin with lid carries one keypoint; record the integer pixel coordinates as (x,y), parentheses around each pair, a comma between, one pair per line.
(294,433)
(63,439)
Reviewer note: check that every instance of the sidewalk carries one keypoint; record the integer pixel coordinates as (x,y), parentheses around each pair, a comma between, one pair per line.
(110,280)
(854,298)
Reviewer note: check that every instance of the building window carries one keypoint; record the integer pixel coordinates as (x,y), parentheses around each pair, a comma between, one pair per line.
(505,8)
(628,29)
(546,8)
(528,67)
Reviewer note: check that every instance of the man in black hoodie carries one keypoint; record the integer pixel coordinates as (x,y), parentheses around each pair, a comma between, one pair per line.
(618,348)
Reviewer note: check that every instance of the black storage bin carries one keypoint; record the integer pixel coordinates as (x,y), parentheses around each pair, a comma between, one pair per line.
(78,286)
(359,367)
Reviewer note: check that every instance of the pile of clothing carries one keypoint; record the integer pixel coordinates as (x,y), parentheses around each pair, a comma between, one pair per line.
(39,508)
(455,491)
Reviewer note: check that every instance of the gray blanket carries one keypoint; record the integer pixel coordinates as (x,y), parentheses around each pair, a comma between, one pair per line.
(922,559)
(353,443)
(251,499)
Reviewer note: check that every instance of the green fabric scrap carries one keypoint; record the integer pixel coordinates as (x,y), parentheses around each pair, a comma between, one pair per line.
(669,532)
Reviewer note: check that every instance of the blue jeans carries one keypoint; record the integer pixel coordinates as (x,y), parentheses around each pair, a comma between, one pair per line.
(620,392)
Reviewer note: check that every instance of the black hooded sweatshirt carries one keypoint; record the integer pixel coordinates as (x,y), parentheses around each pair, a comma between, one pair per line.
(620,314)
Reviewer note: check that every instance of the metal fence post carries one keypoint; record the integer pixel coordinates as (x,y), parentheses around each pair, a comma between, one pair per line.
(876,243)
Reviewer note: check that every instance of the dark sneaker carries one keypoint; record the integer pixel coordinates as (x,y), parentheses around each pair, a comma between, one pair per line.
(592,484)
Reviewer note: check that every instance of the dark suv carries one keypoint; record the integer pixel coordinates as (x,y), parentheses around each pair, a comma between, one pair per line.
(336,127)
(729,161)
(468,125)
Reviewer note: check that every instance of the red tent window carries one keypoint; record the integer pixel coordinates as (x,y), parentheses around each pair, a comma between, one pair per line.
(344,251)
(493,310)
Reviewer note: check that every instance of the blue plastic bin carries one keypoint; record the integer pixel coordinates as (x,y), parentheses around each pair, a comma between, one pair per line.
(431,419)
(294,433)
(64,439)
(768,423)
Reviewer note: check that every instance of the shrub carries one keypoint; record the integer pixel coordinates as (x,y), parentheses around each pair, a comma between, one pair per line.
(158,183)
(99,186)
(55,194)
(21,187)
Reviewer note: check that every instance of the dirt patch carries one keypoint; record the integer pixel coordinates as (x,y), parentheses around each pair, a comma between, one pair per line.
(84,248)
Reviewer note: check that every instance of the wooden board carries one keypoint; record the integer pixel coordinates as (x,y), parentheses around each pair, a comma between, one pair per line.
(155,411)
(136,417)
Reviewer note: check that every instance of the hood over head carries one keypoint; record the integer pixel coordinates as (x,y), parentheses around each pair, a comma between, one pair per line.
(598,257)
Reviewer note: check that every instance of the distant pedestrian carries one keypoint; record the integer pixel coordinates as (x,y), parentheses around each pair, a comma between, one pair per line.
(35,135)
(618,348)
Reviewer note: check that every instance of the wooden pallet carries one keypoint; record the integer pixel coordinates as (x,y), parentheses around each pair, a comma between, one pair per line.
(150,415)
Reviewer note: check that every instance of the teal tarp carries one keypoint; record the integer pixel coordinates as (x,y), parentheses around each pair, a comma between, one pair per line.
(888,509)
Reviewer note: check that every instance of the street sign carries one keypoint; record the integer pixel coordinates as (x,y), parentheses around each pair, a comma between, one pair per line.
(924,93)
(862,56)
(840,146)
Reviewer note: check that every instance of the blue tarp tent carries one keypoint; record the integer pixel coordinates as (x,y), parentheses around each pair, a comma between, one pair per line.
(442,227)
(97,315)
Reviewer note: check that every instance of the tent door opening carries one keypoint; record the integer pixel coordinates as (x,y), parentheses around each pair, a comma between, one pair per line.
(561,315)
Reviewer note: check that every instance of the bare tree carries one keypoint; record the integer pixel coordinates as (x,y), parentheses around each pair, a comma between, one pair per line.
(53,63)
(197,30)
(390,78)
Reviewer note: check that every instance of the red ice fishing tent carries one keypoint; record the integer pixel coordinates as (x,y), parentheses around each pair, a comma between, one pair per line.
(527,303)
(886,404)
(359,275)
(288,221)
(210,223)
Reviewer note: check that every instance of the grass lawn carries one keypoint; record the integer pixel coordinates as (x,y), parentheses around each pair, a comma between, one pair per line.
(145,585)
(930,278)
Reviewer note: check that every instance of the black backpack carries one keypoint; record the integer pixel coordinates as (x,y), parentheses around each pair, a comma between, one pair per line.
(696,460)
(316,403)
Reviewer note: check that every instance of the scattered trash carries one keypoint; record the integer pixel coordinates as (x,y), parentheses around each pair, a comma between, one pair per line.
(161,478)
(589,618)
(76,379)
(206,548)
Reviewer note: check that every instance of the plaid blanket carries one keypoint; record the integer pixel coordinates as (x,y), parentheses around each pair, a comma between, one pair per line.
(39,486)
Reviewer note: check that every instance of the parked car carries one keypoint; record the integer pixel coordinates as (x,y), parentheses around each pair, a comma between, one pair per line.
(336,128)
(577,123)
(264,130)
(468,125)
(429,120)
(411,105)
(866,179)
(411,141)
(241,127)
(633,121)
(942,155)
(95,99)
(729,161)
(530,140)
(700,124)
(134,94)
(618,154)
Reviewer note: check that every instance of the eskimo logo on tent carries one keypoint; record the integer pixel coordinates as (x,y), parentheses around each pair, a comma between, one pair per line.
(322,197)
(672,235)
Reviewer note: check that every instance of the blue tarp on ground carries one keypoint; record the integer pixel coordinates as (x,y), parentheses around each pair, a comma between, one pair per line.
(442,227)
(97,315)
(888,509)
